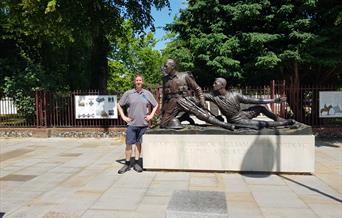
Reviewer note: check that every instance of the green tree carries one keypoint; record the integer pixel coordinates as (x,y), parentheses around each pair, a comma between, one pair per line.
(254,41)
(62,45)
(133,54)
(69,40)
(324,61)
(177,49)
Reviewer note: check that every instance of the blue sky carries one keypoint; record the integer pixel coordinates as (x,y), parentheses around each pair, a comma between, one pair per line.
(163,17)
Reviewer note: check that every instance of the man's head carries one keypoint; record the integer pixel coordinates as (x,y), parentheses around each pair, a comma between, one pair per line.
(219,83)
(170,66)
(138,81)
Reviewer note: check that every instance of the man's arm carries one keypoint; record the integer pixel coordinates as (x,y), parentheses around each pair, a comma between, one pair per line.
(153,103)
(122,114)
(249,100)
(208,97)
(197,89)
(151,115)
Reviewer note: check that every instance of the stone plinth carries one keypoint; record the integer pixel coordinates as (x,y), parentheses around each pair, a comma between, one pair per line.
(197,204)
(269,150)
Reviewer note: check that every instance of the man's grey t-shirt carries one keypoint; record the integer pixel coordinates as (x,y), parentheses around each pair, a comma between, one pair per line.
(137,104)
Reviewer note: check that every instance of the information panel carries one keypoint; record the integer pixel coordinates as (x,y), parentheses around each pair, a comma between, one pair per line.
(330,104)
(96,107)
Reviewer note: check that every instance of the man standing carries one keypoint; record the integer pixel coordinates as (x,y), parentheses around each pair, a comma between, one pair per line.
(176,99)
(229,104)
(137,100)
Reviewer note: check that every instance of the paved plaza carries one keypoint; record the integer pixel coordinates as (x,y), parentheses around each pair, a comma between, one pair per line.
(65,177)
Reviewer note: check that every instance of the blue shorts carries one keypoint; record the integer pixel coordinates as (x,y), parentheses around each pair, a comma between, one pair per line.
(134,134)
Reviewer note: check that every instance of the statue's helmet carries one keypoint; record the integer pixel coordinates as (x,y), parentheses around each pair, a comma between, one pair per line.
(175,124)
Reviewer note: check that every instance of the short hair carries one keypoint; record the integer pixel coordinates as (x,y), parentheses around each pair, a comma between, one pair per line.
(223,81)
(138,75)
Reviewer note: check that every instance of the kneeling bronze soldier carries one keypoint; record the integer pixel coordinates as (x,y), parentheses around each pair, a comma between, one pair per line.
(176,99)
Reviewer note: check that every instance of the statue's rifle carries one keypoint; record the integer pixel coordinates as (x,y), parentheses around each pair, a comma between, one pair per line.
(205,110)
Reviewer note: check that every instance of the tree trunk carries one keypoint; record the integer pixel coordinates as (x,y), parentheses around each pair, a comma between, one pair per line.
(294,93)
(99,62)
(99,48)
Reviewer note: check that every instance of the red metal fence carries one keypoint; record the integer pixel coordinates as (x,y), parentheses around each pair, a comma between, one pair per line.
(303,105)
(58,109)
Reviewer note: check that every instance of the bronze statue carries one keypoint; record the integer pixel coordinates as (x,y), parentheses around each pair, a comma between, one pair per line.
(177,100)
(229,104)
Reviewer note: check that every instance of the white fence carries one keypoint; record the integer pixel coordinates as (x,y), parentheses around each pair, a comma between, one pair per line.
(7,106)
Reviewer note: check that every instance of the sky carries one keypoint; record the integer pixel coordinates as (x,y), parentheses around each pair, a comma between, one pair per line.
(163,17)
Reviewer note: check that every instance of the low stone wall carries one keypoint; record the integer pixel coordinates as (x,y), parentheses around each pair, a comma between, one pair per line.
(15,133)
(115,132)
(334,132)
(63,132)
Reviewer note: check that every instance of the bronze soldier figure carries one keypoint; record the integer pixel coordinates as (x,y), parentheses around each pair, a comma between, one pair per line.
(229,104)
(176,99)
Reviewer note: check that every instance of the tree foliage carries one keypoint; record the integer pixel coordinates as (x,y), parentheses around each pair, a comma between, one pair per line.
(133,54)
(324,61)
(62,44)
(253,41)
(69,40)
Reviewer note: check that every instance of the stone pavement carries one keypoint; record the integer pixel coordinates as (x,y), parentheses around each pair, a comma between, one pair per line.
(64,177)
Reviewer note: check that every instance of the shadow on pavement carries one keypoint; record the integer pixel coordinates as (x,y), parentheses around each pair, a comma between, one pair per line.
(122,161)
(312,189)
(328,143)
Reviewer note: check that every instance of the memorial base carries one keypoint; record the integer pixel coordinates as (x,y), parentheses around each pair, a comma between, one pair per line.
(229,152)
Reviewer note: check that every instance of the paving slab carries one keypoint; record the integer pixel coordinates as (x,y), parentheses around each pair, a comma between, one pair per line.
(327,210)
(243,210)
(235,183)
(64,177)
(288,212)
(278,199)
(166,188)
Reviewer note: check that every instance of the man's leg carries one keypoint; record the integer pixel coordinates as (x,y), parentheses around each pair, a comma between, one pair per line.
(262,109)
(140,132)
(254,111)
(137,152)
(130,139)
(259,124)
(137,165)
(128,153)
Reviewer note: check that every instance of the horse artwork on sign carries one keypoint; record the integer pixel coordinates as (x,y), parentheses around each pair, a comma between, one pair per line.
(330,104)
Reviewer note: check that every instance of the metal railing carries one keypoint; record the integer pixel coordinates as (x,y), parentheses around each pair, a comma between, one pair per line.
(57,110)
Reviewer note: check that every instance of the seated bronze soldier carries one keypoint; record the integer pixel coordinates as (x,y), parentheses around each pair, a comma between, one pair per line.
(229,104)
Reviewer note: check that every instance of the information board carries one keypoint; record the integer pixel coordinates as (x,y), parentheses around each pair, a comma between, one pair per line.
(330,104)
(96,107)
